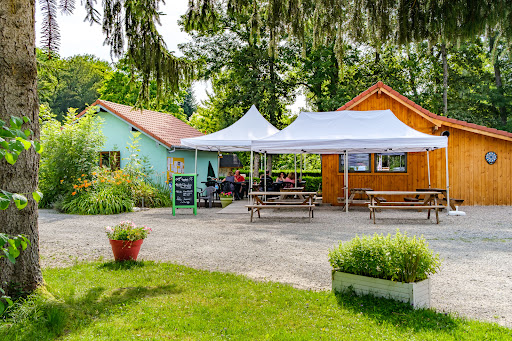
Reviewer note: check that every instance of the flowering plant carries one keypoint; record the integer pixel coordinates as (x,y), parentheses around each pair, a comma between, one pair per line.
(226,194)
(127,230)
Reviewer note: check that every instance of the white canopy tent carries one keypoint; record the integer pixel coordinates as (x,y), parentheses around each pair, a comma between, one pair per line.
(343,132)
(235,138)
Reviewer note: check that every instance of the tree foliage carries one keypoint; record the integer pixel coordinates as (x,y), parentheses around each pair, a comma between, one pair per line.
(124,85)
(72,82)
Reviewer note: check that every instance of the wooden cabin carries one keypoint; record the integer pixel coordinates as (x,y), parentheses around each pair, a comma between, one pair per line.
(479,158)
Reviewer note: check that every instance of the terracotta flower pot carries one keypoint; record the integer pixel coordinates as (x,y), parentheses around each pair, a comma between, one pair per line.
(125,249)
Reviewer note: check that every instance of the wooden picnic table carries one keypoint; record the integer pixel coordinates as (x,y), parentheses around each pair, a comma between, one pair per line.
(294,192)
(259,202)
(429,202)
(351,199)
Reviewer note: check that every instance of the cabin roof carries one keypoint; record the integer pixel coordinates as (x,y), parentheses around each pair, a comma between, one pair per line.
(435,119)
(163,127)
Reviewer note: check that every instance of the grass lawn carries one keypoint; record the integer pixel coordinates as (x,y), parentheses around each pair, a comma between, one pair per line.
(162,301)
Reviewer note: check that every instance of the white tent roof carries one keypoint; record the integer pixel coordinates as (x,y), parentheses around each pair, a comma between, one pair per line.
(353,131)
(236,137)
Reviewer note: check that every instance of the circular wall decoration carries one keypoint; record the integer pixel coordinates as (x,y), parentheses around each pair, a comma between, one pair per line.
(491,157)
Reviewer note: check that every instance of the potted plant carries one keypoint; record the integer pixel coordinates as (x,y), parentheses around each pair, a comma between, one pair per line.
(226,198)
(393,267)
(126,239)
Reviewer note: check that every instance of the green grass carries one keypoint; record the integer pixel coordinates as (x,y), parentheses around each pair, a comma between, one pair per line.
(161,301)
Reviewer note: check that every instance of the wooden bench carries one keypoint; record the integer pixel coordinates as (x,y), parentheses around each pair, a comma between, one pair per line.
(407,205)
(274,205)
(429,202)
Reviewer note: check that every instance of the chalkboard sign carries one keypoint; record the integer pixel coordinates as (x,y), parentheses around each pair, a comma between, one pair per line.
(184,192)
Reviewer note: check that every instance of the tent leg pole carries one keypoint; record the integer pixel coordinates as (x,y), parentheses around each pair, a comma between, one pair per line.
(249,190)
(447,184)
(346,181)
(265,173)
(300,177)
(195,163)
(428,170)
(295,164)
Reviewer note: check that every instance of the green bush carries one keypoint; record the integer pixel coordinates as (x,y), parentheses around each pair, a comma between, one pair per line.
(397,258)
(312,183)
(69,150)
(106,200)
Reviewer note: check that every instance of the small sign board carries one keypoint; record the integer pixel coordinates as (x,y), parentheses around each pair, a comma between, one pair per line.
(184,192)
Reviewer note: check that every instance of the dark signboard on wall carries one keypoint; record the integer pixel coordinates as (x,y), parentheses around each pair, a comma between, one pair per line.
(184,192)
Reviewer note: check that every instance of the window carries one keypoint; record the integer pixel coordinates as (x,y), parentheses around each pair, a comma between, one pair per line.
(391,162)
(359,163)
(110,159)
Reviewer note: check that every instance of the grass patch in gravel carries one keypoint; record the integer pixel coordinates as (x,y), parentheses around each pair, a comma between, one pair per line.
(161,301)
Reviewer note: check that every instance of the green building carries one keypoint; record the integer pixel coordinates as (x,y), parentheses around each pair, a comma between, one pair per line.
(160,141)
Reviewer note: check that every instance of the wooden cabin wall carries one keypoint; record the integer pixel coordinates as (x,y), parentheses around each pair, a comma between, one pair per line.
(471,177)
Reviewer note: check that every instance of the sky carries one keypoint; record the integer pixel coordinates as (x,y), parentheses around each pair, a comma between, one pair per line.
(79,37)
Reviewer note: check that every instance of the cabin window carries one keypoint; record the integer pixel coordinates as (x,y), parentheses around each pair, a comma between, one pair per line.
(391,162)
(110,159)
(357,163)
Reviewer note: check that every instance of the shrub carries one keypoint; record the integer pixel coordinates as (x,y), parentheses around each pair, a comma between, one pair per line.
(312,183)
(286,171)
(400,258)
(112,192)
(69,149)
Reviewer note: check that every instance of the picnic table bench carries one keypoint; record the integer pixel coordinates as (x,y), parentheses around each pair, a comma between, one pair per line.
(429,202)
(259,202)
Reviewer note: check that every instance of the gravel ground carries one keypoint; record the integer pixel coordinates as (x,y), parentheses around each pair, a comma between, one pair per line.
(475,279)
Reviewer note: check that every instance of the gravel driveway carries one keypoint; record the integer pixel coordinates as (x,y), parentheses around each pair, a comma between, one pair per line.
(475,278)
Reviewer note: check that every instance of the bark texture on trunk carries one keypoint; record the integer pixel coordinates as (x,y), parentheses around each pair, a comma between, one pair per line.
(18,97)
(269,164)
(503,115)
(445,79)
(256,169)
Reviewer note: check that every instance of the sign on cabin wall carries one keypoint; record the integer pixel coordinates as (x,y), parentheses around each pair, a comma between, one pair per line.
(175,165)
(184,189)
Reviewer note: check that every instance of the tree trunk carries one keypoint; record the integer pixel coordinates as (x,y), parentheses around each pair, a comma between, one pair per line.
(445,79)
(269,164)
(503,115)
(256,168)
(18,97)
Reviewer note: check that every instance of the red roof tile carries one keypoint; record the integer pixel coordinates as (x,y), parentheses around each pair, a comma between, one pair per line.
(165,128)
(463,124)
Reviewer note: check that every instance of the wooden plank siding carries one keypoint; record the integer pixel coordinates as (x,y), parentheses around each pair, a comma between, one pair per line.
(471,177)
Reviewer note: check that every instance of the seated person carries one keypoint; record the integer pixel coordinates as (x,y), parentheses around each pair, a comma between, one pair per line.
(290,178)
(266,179)
(281,177)
(229,178)
(240,187)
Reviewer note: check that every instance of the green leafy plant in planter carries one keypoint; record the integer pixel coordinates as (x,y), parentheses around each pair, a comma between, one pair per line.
(398,258)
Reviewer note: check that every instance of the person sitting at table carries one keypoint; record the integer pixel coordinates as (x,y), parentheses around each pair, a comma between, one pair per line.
(281,178)
(230,178)
(266,179)
(290,178)
(239,185)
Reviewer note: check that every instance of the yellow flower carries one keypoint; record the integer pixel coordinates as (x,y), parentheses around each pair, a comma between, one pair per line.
(75,186)
(73,193)
(61,181)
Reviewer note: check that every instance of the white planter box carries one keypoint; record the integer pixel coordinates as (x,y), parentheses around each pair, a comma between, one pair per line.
(417,294)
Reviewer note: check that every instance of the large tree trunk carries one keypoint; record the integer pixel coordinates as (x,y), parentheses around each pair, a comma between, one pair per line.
(269,164)
(445,79)
(18,97)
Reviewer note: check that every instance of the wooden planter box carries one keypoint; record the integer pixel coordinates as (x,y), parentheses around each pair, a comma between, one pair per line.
(418,294)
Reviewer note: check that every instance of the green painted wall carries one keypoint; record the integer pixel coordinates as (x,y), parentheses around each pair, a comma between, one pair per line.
(118,132)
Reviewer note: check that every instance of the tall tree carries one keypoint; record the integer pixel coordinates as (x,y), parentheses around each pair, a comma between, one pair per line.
(133,22)
(18,97)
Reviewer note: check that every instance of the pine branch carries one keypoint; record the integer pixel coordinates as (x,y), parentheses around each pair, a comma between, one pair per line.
(50,28)
(67,6)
